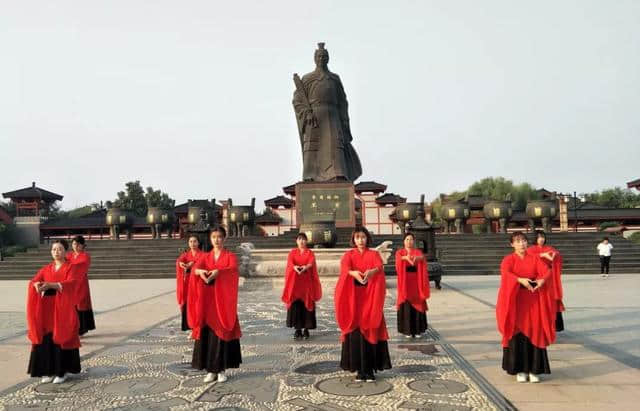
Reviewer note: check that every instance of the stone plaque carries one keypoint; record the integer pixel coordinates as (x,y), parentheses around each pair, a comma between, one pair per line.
(319,201)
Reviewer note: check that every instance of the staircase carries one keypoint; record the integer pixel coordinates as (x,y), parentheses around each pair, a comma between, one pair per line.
(464,254)
(472,254)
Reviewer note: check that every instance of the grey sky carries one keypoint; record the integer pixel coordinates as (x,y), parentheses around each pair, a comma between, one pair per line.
(194,97)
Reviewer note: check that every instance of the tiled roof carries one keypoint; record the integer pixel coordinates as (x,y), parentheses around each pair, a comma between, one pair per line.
(268,218)
(390,198)
(33,192)
(370,186)
(279,201)
(183,208)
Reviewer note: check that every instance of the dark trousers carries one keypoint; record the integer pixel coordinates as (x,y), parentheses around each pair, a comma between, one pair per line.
(604,264)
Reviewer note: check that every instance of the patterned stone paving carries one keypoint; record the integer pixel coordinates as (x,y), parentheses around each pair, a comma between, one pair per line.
(151,371)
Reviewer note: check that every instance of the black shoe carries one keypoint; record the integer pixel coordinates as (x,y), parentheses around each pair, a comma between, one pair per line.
(305,334)
(370,378)
(359,377)
(297,335)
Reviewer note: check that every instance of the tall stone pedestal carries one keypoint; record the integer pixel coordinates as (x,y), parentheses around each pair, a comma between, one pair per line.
(27,230)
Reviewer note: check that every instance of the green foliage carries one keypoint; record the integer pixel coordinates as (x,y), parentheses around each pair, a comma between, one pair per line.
(11,250)
(9,207)
(7,234)
(80,211)
(436,205)
(606,224)
(497,188)
(635,237)
(614,197)
(135,200)
(156,198)
(480,228)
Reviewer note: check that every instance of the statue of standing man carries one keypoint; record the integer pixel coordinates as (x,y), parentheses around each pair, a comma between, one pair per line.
(323,124)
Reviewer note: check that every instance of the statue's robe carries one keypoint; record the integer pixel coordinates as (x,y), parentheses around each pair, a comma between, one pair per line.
(327,153)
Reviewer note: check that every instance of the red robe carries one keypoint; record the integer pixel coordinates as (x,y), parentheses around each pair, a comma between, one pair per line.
(305,286)
(184,281)
(520,310)
(82,261)
(55,314)
(361,307)
(556,269)
(216,305)
(412,287)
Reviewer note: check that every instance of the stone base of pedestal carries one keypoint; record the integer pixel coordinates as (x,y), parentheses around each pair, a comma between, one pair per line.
(272,262)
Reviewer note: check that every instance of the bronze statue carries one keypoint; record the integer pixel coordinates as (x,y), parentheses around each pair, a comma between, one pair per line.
(321,111)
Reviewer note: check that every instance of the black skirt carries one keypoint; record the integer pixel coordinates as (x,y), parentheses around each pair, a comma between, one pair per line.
(410,320)
(48,359)
(360,355)
(213,354)
(185,323)
(559,321)
(299,317)
(522,356)
(86,321)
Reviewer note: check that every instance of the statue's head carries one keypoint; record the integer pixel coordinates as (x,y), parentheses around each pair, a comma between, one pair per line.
(321,56)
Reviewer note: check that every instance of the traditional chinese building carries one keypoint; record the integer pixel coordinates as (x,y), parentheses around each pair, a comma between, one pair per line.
(32,201)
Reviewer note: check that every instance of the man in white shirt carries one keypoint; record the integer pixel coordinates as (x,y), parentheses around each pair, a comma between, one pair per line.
(604,251)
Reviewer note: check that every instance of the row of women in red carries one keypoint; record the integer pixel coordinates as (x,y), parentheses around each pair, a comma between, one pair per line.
(529,299)
(208,288)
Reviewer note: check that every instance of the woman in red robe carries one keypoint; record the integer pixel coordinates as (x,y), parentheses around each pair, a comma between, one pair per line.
(215,328)
(553,259)
(525,312)
(301,289)
(82,260)
(413,289)
(359,308)
(184,279)
(52,319)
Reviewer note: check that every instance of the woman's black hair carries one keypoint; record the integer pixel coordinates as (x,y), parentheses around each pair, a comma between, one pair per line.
(79,239)
(540,233)
(360,229)
(515,235)
(194,236)
(302,235)
(605,238)
(219,229)
(61,241)
(407,234)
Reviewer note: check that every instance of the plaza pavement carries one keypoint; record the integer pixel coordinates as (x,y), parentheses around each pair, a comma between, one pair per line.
(138,359)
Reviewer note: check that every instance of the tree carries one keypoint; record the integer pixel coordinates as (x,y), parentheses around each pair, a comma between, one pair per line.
(9,207)
(135,200)
(614,197)
(497,188)
(156,198)
(132,199)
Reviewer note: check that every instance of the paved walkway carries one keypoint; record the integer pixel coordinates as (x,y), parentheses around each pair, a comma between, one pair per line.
(138,358)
